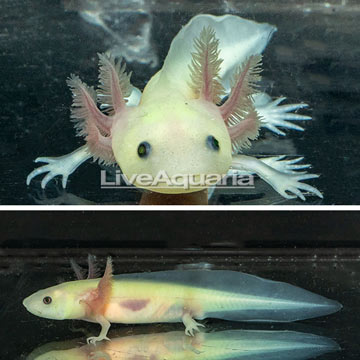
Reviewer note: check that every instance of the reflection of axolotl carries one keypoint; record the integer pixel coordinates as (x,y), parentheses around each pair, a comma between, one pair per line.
(173,296)
(193,117)
(174,345)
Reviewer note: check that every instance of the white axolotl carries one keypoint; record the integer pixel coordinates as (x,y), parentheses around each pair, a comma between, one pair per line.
(193,117)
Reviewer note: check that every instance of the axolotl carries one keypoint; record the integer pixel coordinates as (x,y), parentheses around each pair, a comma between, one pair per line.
(193,119)
(174,296)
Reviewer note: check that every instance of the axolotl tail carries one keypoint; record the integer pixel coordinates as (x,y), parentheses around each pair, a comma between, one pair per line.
(257,299)
(232,295)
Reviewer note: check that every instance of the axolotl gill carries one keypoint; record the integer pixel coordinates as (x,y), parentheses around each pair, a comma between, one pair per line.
(174,296)
(193,118)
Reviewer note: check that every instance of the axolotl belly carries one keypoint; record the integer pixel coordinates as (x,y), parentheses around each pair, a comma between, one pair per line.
(173,296)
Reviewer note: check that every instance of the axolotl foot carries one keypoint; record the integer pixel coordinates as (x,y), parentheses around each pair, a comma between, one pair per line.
(59,166)
(283,175)
(274,116)
(190,325)
(94,339)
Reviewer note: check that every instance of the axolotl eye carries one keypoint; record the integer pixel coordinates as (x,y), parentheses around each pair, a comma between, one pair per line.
(144,149)
(47,300)
(212,143)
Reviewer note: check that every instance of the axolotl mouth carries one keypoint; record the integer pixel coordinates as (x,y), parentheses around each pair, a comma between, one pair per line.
(26,302)
(31,305)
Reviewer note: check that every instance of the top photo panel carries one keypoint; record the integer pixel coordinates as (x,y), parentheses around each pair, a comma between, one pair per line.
(159,102)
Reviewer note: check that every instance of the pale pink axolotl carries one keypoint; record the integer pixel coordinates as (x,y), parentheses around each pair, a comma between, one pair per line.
(193,118)
(176,296)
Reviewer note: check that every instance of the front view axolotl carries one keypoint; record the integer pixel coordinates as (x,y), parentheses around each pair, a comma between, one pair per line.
(193,118)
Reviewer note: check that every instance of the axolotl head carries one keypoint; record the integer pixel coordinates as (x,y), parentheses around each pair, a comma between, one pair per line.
(56,303)
(175,146)
(180,133)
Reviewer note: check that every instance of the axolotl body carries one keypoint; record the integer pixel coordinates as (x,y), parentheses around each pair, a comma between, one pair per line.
(192,119)
(174,296)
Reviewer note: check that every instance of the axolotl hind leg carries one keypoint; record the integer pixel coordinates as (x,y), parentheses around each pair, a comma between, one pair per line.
(272,115)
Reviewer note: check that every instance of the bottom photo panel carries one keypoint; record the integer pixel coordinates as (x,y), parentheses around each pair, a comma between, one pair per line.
(179,285)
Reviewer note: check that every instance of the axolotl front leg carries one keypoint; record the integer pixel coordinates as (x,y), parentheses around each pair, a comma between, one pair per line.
(96,302)
(281,174)
(65,165)
(272,116)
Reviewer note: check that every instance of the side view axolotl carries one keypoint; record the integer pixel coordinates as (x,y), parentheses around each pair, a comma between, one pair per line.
(173,296)
(192,119)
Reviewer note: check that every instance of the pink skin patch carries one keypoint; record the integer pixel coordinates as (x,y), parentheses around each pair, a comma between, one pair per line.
(134,305)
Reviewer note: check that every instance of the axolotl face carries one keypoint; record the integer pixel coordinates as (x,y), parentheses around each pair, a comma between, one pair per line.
(173,146)
(53,303)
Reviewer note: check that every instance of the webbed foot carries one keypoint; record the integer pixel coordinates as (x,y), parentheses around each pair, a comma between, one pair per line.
(274,116)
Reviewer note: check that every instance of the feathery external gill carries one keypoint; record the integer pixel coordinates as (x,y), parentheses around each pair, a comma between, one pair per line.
(238,111)
(205,67)
(114,84)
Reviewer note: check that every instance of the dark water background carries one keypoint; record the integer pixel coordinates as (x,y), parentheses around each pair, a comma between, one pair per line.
(312,58)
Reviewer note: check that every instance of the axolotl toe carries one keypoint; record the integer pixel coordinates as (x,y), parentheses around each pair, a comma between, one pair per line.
(195,116)
(176,296)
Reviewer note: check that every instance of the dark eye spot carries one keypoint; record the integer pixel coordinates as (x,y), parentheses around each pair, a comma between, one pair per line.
(144,149)
(47,300)
(212,143)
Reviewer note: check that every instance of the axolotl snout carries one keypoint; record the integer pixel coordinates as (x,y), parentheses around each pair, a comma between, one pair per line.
(192,119)
(174,296)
